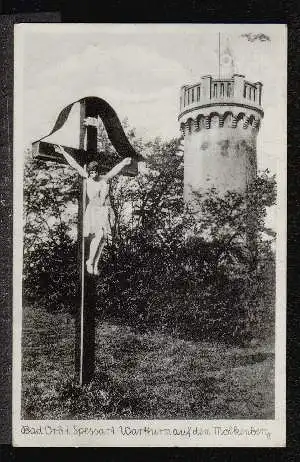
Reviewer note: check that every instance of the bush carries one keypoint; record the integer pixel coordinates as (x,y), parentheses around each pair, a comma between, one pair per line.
(51,276)
(149,290)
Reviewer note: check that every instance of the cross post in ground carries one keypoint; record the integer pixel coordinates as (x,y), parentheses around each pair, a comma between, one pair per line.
(85,313)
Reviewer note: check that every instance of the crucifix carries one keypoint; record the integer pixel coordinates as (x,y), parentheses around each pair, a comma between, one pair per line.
(90,108)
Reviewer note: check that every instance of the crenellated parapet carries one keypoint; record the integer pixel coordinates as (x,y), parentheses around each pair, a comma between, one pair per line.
(209,96)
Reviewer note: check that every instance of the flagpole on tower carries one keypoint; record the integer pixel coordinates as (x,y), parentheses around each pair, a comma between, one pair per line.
(219,55)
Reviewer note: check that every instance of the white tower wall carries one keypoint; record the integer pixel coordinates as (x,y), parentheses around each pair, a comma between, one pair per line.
(220,119)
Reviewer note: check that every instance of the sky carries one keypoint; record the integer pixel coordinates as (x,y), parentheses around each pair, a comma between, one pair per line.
(139,70)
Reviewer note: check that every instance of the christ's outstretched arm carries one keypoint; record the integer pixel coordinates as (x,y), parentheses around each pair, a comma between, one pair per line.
(117,168)
(71,161)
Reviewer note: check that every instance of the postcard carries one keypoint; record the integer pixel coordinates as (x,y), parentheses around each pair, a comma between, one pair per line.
(149,235)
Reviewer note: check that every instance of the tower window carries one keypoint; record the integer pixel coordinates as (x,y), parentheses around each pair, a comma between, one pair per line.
(198,93)
(192,95)
(254,94)
(250,92)
(215,90)
(228,89)
(222,89)
(245,89)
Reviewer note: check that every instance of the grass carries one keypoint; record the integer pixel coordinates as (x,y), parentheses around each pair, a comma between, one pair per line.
(141,376)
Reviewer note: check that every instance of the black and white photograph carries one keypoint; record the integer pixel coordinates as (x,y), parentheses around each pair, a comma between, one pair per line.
(149,235)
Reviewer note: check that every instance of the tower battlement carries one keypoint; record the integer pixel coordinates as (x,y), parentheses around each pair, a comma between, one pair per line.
(220,95)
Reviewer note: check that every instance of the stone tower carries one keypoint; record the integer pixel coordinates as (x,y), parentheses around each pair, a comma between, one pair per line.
(220,119)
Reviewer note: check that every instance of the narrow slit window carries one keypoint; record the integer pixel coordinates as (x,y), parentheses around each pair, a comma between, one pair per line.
(198,93)
(215,90)
(222,90)
(192,95)
(228,90)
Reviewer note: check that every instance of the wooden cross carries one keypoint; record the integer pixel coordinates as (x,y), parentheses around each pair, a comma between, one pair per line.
(85,314)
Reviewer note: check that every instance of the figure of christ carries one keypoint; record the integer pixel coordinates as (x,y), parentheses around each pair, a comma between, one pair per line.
(98,216)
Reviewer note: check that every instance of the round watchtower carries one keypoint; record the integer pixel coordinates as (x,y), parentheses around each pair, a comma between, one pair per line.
(220,119)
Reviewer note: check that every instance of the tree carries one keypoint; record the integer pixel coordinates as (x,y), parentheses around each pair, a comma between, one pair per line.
(166,267)
(236,247)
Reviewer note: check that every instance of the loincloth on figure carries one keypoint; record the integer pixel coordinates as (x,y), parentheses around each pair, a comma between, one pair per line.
(98,217)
